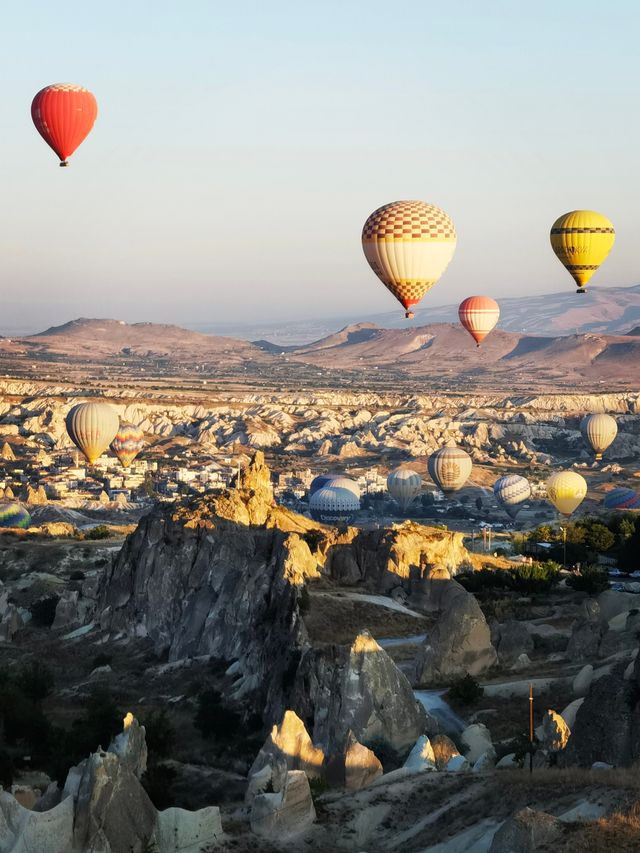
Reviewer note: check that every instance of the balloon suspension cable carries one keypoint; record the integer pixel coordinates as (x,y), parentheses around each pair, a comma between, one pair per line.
(409,315)
(63,163)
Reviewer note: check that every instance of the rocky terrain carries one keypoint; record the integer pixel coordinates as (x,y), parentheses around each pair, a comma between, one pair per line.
(441,355)
(302,670)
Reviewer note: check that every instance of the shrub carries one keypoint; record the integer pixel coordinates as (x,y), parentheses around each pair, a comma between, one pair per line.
(160,734)
(101,721)
(101,659)
(213,719)
(101,531)
(43,611)
(77,575)
(158,783)
(35,680)
(465,691)
(591,579)
(527,578)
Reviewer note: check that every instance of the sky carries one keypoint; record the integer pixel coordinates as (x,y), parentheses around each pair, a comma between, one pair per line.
(240,146)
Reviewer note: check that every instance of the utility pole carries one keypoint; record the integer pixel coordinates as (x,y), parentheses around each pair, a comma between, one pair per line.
(530,728)
(564,546)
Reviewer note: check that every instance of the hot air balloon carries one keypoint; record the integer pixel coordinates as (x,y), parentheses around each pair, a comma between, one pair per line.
(511,491)
(599,431)
(128,442)
(14,515)
(92,427)
(409,245)
(64,115)
(479,315)
(404,486)
(566,490)
(336,502)
(449,468)
(622,499)
(582,239)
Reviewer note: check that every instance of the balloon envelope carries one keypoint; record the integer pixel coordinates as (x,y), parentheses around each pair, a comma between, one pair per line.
(599,431)
(409,245)
(622,499)
(92,427)
(511,491)
(128,442)
(566,490)
(64,114)
(335,502)
(404,485)
(449,468)
(582,239)
(14,515)
(479,315)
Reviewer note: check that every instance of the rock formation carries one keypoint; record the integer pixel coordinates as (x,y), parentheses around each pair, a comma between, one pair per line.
(103,807)
(359,690)
(528,831)
(460,642)
(286,813)
(555,732)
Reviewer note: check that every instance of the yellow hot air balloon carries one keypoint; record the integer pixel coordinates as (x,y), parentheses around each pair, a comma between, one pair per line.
(449,468)
(582,239)
(599,431)
(409,245)
(92,427)
(566,490)
(404,485)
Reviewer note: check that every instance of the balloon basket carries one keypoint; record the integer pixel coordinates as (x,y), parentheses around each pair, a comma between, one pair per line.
(63,164)
(581,290)
(409,315)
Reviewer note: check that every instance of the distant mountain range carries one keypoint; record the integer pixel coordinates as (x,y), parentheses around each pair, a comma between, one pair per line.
(607,310)
(439,355)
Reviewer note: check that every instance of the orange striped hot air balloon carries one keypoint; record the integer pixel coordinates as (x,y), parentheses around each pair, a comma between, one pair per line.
(64,115)
(479,315)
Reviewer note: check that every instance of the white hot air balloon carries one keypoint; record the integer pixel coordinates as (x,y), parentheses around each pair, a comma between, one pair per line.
(337,502)
(404,486)
(599,431)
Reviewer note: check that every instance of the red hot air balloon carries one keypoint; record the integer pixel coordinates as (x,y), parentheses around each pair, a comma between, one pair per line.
(479,314)
(64,115)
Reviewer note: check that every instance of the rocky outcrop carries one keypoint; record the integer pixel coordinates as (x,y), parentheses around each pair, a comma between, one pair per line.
(422,756)
(443,749)
(286,813)
(513,640)
(356,768)
(528,831)
(358,689)
(103,807)
(460,641)
(476,742)
(555,732)
(607,723)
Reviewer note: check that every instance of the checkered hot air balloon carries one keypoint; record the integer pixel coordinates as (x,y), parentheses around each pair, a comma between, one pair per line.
(129,441)
(409,245)
(64,114)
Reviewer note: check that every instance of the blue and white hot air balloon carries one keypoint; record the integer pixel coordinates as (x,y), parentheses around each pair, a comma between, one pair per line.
(337,502)
(511,491)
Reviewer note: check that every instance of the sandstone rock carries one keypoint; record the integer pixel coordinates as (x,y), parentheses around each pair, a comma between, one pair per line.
(443,749)
(601,765)
(521,663)
(485,762)
(130,746)
(514,641)
(11,622)
(555,732)
(180,830)
(611,603)
(25,830)
(569,713)
(585,640)
(361,766)
(526,832)
(288,747)
(285,814)
(359,690)
(422,756)
(508,761)
(459,643)
(582,681)
(72,610)
(476,740)
(457,764)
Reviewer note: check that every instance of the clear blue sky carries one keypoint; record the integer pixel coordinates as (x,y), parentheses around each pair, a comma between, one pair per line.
(240,146)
